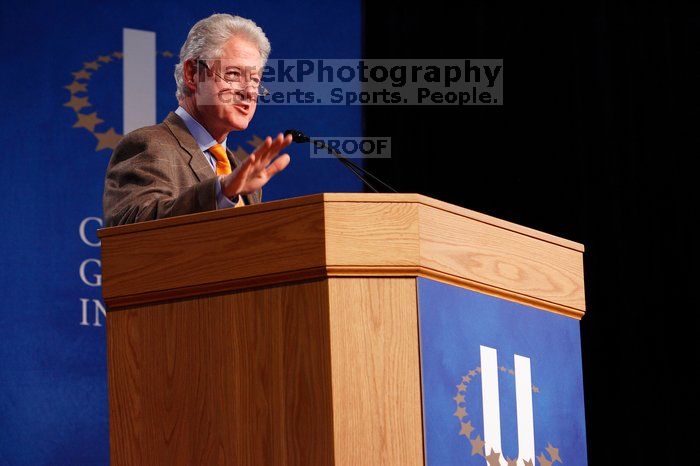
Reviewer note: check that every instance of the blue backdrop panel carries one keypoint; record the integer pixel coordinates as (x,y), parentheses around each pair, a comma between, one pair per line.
(53,398)
(454,323)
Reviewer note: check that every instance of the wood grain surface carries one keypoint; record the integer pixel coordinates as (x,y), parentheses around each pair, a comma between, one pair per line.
(328,235)
(376,371)
(235,379)
(501,258)
(204,253)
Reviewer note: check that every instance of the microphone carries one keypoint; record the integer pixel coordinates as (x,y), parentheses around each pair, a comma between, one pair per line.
(297,136)
(300,137)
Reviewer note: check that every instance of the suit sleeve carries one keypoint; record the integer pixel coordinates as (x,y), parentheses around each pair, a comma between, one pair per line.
(141,184)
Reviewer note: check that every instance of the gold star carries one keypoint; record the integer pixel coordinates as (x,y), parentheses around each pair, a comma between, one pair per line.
(256,141)
(88,121)
(461,387)
(76,87)
(478,369)
(503,369)
(168,53)
(117,54)
(107,140)
(477,446)
(535,389)
(553,453)
(82,74)
(104,58)
(466,379)
(529,463)
(459,398)
(472,373)
(241,153)
(76,103)
(460,412)
(466,429)
(92,65)
(494,459)
(511,371)
(543,460)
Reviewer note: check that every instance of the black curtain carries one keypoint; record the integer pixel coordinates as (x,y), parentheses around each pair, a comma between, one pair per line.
(594,143)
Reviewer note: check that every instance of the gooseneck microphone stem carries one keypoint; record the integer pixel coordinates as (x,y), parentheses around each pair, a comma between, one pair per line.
(354,168)
(299,137)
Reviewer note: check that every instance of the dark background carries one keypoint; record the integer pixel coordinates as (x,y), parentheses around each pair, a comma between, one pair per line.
(593,143)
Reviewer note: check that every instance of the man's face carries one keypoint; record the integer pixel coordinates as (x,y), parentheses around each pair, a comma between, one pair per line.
(230,102)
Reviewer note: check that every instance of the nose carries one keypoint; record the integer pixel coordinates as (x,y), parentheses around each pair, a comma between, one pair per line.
(251,92)
(247,94)
(241,95)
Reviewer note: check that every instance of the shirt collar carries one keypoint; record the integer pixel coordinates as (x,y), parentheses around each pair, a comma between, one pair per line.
(201,136)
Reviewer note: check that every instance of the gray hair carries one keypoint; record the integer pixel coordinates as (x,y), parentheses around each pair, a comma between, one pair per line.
(207,38)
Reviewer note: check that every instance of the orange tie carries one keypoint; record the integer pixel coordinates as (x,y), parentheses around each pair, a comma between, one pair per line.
(223,166)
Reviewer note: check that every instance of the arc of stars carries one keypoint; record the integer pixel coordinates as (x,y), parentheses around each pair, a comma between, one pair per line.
(110,138)
(466,428)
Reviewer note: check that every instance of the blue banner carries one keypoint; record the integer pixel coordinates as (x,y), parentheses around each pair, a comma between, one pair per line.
(62,116)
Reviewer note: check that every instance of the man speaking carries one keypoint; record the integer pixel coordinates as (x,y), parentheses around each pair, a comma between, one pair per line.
(182,165)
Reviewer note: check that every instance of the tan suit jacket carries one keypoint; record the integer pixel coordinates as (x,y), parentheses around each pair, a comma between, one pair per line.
(159,171)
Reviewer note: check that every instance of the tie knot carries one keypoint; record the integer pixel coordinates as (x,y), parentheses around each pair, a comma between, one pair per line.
(223,166)
(218,151)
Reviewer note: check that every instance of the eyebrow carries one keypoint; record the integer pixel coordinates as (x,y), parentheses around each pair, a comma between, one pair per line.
(239,67)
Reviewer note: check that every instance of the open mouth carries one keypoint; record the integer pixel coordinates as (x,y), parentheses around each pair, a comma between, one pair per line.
(242,107)
(240,101)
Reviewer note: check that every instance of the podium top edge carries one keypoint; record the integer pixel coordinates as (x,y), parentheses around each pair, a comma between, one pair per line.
(320,198)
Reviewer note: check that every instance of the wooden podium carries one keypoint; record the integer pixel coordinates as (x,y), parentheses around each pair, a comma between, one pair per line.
(287,333)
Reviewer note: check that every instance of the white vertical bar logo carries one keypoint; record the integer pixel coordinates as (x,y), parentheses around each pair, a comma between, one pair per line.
(139,79)
(491,406)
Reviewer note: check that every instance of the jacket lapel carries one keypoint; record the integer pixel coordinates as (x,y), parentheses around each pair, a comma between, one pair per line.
(198,163)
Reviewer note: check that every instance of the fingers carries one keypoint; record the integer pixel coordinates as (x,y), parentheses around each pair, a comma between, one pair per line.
(248,165)
(279,164)
(272,151)
(234,183)
(263,148)
(269,151)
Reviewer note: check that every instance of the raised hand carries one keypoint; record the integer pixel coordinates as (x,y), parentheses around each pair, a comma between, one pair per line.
(258,168)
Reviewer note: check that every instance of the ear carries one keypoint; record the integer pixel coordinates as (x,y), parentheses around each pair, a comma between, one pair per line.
(190,73)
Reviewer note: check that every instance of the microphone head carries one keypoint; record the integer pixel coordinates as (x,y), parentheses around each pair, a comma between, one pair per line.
(297,136)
